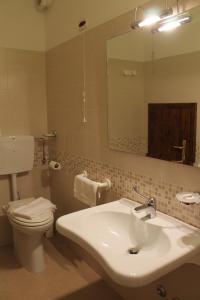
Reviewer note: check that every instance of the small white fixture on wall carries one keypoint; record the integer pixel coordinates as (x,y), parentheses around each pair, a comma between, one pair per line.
(43,4)
(129,73)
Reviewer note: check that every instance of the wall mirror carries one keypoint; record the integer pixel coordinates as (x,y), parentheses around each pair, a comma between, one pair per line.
(154,92)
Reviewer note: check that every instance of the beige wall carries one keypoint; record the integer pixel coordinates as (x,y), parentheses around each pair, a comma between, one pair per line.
(126,112)
(84,146)
(22,111)
(62,20)
(22,93)
(125,99)
(21,26)
(174,79)
(133,46)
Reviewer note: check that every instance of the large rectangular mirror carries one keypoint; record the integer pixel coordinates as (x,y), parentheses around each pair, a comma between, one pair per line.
(154,92)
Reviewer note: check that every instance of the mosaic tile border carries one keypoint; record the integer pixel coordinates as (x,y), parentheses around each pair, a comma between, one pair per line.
(124,180)
(136,145)
(139,146)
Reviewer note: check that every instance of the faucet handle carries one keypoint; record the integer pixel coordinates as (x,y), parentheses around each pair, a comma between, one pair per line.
(152,202)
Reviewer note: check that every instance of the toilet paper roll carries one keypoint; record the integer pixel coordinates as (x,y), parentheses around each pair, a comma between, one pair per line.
(54,165)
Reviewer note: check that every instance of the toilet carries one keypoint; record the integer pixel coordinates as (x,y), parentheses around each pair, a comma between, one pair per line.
(17,156)
(28,236)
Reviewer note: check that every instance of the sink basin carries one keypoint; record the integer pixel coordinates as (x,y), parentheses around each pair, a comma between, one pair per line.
(122,231)
(131,251)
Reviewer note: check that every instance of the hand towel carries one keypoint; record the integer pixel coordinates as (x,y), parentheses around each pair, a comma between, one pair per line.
(86,190)
(34,208)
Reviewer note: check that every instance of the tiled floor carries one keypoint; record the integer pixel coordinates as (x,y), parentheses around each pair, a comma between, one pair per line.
(66,277)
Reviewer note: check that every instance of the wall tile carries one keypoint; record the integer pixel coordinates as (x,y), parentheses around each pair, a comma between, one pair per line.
(85,146)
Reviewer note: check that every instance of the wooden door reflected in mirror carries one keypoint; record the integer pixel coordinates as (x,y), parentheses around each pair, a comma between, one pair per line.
(172,132)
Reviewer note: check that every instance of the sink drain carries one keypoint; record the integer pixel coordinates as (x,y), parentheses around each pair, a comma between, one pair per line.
(133,251)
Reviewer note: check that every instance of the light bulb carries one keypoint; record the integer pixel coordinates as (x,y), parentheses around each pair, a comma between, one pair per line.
(169,26)
(149,21)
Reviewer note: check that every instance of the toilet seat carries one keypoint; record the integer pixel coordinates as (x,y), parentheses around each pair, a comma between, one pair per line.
(39,220)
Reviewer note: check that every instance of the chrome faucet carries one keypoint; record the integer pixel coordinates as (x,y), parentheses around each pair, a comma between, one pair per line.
(150,205)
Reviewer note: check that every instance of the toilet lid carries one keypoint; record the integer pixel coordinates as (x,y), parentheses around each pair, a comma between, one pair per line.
(38,220)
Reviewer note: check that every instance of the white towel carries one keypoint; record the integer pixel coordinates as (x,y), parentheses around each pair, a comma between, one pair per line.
(34,208)
(86,190)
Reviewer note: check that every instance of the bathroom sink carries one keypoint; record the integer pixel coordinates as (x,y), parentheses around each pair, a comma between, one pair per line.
(132,252)
(117,233)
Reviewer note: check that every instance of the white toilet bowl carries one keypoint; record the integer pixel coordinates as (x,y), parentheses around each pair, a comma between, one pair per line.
(28,236)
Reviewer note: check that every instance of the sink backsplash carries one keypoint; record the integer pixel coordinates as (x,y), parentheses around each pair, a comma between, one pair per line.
(123,182)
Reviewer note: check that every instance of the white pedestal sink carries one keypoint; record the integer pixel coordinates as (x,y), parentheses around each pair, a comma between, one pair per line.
(131,251)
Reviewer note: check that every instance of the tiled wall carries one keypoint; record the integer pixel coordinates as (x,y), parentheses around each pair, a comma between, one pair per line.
(136,145)
(123,182)
(23,112)
(84,146)
(88,142)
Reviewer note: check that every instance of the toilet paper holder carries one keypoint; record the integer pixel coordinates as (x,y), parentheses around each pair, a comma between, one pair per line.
(106,185)
(54,165)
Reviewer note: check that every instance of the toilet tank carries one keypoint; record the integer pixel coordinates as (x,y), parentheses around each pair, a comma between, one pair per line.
(16,154)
